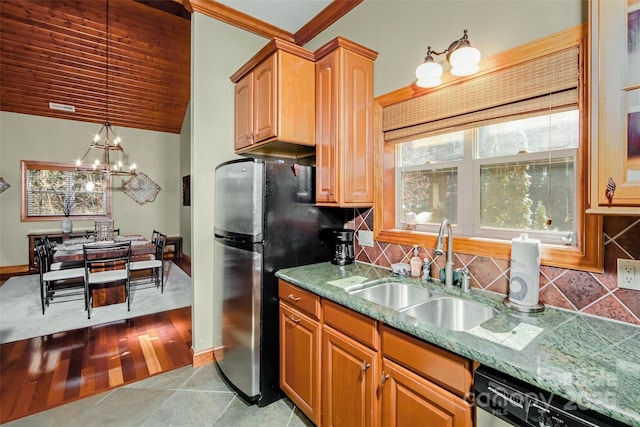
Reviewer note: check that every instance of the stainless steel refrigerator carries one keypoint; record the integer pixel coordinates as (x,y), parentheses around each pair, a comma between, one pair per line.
(265,220)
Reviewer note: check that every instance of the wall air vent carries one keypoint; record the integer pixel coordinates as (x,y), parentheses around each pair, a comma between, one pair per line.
(62,107)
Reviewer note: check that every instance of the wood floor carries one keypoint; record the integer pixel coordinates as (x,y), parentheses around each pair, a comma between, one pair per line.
(43,372)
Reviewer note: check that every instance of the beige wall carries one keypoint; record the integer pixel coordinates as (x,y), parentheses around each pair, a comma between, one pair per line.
(185,169)
(25,137)
(401,30)
(217,51)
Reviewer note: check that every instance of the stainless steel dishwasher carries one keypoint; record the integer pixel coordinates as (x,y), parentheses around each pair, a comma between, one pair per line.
(502,398)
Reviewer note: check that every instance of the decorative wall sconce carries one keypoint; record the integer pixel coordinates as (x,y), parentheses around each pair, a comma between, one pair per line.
(3,185)
(464,60)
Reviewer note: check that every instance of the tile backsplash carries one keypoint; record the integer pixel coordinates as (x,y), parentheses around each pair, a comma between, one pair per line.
(593,293)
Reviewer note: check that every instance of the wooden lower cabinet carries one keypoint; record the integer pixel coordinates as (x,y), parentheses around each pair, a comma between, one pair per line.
(349,381)
(409,400)
(300,360)
(344,369)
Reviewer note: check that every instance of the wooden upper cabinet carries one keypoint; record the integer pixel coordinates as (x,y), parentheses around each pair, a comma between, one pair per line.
(615,102)
(243,123)
(275,102)
(344,124)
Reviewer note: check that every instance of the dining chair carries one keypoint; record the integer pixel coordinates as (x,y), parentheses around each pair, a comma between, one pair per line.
(49,278)
(157,264)
(106,263)
(154,236)
(49,247)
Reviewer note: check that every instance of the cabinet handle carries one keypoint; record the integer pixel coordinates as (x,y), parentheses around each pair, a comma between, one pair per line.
(383,378)
(610,190)
(365,365)
(294,320)
(292,298)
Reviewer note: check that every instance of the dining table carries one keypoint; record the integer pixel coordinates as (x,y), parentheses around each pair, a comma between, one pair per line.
(71,251)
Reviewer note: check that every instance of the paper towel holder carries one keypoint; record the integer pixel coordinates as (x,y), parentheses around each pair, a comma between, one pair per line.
(523,308)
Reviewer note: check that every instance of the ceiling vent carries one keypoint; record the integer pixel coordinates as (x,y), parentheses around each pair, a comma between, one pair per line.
(62,107)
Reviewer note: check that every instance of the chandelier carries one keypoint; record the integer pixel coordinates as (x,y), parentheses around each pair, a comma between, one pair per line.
(110,155)
(464,60)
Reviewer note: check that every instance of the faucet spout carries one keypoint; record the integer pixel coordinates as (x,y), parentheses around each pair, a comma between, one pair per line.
(448,270)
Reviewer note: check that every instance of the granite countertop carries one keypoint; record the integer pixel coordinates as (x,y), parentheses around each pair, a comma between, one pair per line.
(586,359)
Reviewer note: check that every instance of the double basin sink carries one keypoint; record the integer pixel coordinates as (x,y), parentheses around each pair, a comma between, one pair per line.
(445,311)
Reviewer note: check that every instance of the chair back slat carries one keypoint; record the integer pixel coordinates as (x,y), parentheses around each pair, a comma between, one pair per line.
(154,236)
(160,244)
(112,256)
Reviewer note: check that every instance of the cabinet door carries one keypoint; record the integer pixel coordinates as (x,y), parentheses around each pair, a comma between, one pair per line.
(618,111)
(243,126)
(349,392)
(409,400)
(299,360)
(265,100)
(356,151)
(326,128)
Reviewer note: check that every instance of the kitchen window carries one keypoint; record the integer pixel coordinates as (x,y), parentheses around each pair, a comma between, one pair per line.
(499,180)
(54,190)
(499,153)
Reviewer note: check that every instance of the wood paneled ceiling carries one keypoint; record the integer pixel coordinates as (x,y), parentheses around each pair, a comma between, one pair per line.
(55,51)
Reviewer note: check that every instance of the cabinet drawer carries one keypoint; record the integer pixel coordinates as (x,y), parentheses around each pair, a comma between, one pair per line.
(444,368)
(303,300)
(355,325)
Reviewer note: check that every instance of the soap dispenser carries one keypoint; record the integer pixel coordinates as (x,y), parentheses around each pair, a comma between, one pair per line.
(415,263)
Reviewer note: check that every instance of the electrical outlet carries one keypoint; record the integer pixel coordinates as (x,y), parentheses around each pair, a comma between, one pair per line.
(629,274)
(365,238)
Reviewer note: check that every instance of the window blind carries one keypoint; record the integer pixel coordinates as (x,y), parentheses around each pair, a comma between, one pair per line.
(544,85)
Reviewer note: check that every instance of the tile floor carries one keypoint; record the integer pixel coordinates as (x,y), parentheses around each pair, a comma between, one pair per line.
(184,397)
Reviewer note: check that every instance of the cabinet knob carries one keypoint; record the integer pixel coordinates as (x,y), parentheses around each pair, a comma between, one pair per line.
(383,378)
(610,190)
(294,320)
(365,365)
(292,298)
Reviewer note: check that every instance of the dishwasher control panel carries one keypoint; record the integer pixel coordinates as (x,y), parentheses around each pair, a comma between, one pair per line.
(523,404)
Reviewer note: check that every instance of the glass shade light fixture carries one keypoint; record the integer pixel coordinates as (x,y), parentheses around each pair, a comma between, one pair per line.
(464,60)
(110,157)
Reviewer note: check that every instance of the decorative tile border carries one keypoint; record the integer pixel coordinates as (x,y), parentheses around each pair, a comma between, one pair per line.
(593,293)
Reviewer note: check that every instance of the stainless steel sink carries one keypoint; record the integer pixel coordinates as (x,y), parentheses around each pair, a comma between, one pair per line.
(451,313)
(395,295)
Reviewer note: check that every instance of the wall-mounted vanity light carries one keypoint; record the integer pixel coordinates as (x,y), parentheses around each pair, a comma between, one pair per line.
(464,60)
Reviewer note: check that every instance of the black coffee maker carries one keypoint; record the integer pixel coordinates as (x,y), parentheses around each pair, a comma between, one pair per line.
(343,241)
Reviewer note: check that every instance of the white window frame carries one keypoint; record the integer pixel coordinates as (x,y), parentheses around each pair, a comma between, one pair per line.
(468,195)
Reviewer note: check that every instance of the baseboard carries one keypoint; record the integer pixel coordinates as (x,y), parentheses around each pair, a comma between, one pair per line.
(13,270)
(202,358)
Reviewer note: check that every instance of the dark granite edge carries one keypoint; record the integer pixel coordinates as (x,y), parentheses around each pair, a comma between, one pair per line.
(461,343)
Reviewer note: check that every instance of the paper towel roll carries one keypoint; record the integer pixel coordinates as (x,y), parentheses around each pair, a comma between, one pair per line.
(524,285)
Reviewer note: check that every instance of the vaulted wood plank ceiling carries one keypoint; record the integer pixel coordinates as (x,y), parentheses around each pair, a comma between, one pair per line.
(56,51)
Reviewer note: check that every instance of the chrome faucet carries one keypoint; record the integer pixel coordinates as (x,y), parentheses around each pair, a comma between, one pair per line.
(448,269)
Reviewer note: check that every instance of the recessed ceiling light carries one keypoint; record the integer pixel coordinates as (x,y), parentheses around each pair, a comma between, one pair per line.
(62,107)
